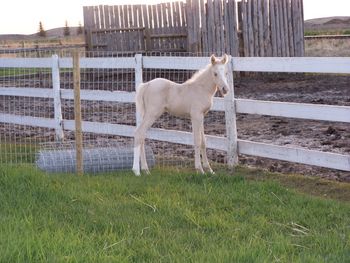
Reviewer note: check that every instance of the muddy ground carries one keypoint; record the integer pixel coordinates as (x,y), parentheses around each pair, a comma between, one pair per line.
(316,135)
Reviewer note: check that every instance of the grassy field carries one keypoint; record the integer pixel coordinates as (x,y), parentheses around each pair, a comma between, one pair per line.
(172,216)
(327,47)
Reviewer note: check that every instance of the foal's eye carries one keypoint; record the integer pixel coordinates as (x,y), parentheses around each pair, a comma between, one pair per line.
(215,74)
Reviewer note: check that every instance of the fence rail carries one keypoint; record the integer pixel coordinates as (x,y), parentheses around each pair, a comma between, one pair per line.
(282,109)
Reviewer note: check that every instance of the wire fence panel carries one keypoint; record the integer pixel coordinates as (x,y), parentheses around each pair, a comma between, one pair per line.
(99,85)
(20,141)
(37,110)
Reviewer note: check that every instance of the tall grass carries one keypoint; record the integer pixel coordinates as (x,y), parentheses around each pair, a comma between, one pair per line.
(166,217)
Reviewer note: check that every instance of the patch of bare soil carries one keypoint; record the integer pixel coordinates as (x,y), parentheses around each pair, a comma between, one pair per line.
(316,135)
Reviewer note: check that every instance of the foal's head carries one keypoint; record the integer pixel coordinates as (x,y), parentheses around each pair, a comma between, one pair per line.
(219,73)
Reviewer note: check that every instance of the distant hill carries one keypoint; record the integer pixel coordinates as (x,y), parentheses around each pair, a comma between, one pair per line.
(328,23)
(50,34)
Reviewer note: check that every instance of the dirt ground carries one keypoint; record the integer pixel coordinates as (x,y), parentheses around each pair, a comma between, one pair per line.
(316,135)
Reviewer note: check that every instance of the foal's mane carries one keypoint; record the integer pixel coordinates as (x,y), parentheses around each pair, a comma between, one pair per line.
(197,75)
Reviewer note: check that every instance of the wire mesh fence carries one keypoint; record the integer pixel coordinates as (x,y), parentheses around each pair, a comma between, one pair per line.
(22,143)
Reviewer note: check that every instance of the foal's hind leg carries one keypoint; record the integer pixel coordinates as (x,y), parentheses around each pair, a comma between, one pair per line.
(139,141)
(144,165)
(197,122)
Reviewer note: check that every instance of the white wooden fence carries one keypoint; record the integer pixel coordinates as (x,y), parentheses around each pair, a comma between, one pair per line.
(230,105)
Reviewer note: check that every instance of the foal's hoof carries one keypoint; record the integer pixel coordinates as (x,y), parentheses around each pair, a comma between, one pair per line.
(200,171)
(136,172)
(209,170)
(146,171)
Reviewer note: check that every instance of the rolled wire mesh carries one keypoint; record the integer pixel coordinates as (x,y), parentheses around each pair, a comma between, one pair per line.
(98,156)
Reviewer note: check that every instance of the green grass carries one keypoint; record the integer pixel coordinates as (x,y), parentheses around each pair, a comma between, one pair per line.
(12,72)
(17,153)
(326,32)
(168,217)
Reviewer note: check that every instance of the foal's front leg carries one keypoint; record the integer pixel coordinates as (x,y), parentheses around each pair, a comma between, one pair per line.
(197,122)
(206,164)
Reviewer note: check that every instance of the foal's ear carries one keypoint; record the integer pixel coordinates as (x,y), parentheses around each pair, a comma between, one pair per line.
(213,60)
(224,59)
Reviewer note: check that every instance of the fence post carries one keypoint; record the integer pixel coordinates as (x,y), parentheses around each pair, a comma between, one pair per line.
(77,114)
(230,119)
(138,79)
(57,98)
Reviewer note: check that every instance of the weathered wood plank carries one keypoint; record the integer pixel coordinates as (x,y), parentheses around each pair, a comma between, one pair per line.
(107,22)
(190,25)
(228,32)
(101,17)
(250,28)
(273,27)
(117,23)
(290,29)
(164,25)
(203,36)
(156,25)
(217,39)
(245,32)
(140,34)
(196,26)
(266,29)
(210,26)
(261,29)
(221,27)
(301,24)
(278,28)
(170,26)
(285,27)
(234,28)
(151,26)
(281,28)
(184,23)
(175,13)
(255,18)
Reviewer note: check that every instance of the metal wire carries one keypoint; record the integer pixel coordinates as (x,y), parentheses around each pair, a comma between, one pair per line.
(109,156)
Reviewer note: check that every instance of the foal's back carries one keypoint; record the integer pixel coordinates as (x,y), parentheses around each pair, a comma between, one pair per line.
(160,95)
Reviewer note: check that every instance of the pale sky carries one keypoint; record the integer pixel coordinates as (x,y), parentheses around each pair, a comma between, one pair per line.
(23,16)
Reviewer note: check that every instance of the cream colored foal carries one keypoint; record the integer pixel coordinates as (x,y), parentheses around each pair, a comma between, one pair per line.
(192,99)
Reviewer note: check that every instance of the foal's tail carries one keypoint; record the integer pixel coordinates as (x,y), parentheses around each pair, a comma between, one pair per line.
(140,105)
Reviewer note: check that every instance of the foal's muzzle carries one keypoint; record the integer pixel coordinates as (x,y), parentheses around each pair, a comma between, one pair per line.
(223,91)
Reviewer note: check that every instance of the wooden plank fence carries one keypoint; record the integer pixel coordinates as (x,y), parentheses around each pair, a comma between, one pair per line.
(160,27)
(289,110)
(240,28)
